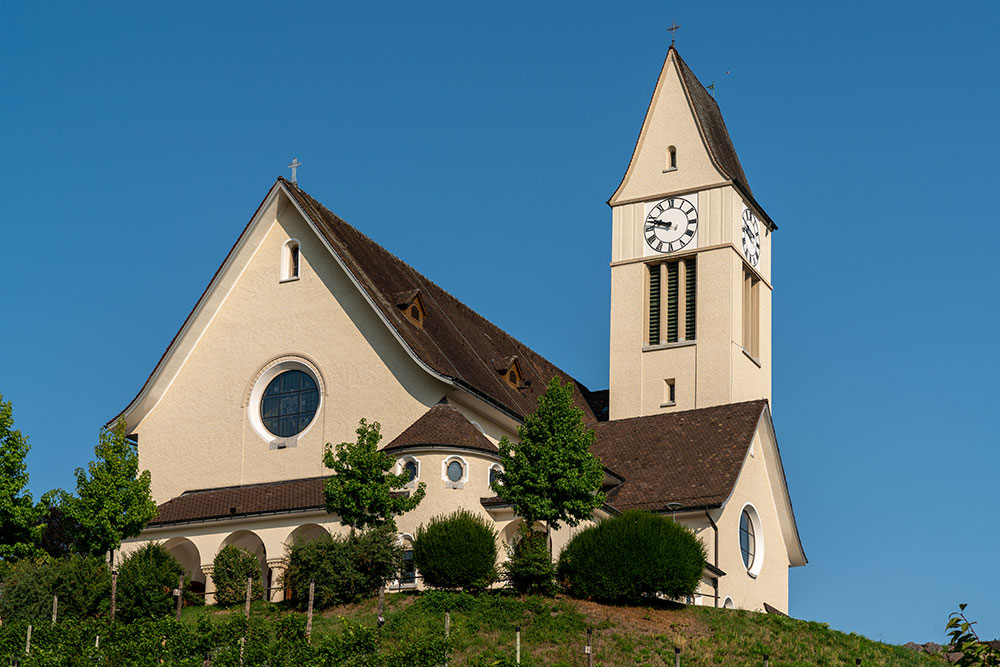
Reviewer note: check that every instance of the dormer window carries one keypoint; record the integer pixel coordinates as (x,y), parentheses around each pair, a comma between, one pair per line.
(511,371)
(290,260)
(412,306)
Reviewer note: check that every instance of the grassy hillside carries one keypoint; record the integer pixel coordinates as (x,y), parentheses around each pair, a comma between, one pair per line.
(553,632)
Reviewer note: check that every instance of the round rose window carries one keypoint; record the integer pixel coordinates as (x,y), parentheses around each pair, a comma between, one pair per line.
(289,403)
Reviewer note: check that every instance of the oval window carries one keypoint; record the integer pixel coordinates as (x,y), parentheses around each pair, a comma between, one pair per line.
(455,471)
(748,541)
(289,403)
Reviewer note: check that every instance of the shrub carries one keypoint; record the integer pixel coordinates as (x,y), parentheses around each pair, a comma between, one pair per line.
(529,568)
(83,584)
(633,555)
(457,551)
(345,568)
(146,580)
(231,567)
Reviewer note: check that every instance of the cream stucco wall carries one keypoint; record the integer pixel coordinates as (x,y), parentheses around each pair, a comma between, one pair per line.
(199,434)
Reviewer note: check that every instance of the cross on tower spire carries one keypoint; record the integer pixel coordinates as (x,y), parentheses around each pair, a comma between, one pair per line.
(295,164)
(673,31)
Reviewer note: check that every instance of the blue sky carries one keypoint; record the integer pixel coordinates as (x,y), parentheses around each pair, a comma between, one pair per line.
(469,139)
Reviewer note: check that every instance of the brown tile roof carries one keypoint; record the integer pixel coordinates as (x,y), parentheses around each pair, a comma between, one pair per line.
(455,341)
(692,457)
(442,425)
(232,502)
(239,501)
(713,127)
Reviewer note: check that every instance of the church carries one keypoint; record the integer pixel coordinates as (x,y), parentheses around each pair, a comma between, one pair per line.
(308,326)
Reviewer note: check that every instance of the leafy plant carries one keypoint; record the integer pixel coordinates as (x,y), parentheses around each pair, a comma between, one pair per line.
(344,568)
(975,652)
(550,475)
(146,581)
(456,551)
(529,568)
(83,584)
(363,491)
(113,501)
(230,570)
(18,515)
(630,556)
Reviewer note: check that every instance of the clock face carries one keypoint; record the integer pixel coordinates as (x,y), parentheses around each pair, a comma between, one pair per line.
(751,237)
(671,225)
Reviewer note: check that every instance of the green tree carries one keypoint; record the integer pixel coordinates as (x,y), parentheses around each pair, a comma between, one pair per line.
(964,639)
(550,475)
(113,502)
(18,514)
(363,491)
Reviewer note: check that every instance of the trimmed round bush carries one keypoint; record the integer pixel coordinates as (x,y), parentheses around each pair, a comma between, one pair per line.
(627,557)
(146,581)
(529,569)
(456,551)
(345,568)
(231,567)
(83,584)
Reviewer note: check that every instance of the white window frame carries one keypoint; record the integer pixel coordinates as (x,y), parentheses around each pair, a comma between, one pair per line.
(401,468)
(758,540)
(465,472)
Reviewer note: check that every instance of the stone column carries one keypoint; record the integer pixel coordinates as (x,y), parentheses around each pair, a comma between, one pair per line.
(209,583)
(277,566)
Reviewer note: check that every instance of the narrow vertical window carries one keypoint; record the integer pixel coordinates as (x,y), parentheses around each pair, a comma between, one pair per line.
(671,158)
(751,313)
(290,260)
(690,297)
(654,304)
(672,301)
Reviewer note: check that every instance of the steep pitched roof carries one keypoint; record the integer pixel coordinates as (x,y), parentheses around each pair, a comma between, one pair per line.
(713,128)
(455,341)
(442,425)
(693,457)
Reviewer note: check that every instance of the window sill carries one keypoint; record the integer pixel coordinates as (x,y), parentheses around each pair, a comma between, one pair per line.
(752,358)
(665,171)
(288,280)
(667,346)
(668,405)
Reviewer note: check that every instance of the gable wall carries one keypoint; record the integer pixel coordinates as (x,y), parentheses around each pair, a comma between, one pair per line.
(755,486)
(198,435)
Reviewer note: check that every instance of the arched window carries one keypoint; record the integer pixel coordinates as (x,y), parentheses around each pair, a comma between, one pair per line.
(454,472)
(410,467)
(671,158)
(290,260)
(494,476)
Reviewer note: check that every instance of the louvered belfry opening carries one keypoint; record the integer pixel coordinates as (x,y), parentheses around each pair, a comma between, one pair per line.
(690,298)
(654,304)
(673,301)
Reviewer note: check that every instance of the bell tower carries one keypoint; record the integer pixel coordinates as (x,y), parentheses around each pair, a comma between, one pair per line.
(690,262)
